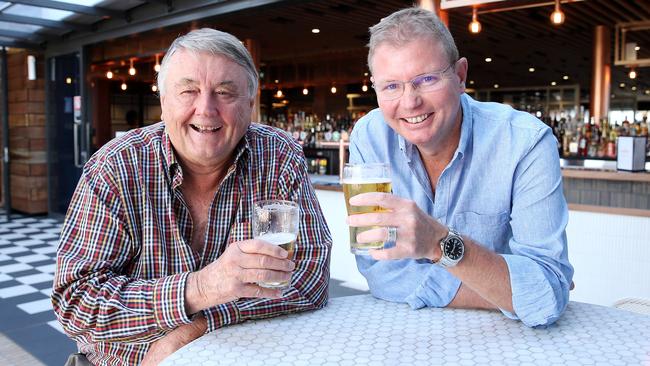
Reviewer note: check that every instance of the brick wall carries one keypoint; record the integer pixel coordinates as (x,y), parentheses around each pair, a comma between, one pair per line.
(27,139)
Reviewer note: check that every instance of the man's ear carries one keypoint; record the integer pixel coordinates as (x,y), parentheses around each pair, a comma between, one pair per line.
(162,107)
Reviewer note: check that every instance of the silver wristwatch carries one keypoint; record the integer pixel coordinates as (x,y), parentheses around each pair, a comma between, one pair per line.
(452,248)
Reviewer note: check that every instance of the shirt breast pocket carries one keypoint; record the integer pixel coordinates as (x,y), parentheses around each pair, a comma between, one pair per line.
(490,230)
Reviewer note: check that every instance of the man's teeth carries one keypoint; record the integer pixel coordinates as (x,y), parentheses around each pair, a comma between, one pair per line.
(200,128)
(417,119)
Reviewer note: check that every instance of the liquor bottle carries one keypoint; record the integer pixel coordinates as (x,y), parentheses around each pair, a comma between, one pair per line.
(583,140)
(561,133)
(611,144)
(603,138)
(625,128)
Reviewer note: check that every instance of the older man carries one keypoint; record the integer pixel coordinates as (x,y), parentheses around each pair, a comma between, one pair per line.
(478,217)
(156,248)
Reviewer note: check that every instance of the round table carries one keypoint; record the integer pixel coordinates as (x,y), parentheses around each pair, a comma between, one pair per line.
(362,330)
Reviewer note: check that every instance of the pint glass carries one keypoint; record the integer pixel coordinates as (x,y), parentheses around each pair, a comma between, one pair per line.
(277,222)
(362,178)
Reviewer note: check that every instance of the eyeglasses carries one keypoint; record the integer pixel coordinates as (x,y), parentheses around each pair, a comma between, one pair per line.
(391,90)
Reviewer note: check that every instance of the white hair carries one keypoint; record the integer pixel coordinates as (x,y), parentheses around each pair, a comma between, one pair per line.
(213,42)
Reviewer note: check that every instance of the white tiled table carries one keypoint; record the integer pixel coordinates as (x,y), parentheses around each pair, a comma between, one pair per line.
(361,330)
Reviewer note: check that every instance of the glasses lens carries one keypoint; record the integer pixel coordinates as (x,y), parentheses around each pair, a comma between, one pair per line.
(389,90)
(427,81)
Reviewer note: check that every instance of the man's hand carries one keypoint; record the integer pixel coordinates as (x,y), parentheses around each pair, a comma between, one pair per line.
(235,274)
(418,234)
(174,340)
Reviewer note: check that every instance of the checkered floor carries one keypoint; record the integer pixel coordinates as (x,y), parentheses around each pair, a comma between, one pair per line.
(27,261)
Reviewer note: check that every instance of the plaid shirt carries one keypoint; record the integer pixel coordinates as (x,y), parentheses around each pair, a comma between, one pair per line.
(124,253)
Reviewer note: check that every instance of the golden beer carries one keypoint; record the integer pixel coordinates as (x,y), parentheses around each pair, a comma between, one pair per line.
(353,187)
(287,242)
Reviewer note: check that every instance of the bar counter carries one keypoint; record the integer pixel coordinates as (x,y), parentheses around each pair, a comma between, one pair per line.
(596,186)
(589,185)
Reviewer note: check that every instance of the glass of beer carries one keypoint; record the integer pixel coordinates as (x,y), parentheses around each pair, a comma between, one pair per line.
(277,222)
(362,178)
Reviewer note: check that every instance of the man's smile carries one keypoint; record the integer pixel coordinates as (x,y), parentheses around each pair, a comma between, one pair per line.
(417,119)
(204,129)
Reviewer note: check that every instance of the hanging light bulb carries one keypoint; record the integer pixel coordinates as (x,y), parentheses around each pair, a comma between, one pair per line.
(154,88)
(632,74)
(305,91)
(333,90)
(557,16)
(156,67)
(475,25)
(123,86)
(109,74)
(279,93)
(131,69)
(364,87)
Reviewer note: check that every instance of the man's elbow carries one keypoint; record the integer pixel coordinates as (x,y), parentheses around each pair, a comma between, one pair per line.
(549,314)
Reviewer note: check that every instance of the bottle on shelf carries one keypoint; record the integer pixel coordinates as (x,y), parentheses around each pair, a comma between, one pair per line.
(611,144)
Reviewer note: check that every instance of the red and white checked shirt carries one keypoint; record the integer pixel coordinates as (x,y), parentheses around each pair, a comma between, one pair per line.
(124,253)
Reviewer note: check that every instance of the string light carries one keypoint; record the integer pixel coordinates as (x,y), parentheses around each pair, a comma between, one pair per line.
(131,69)
(279,93)
(123,86)
(557,16)
(333,90)
(364,87)
(156,67)
(68,80)
(109,74)
(632,74)
(154,88)
(305,91)
(475,25)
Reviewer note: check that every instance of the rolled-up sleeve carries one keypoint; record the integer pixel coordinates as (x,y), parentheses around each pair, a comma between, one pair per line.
(540,272)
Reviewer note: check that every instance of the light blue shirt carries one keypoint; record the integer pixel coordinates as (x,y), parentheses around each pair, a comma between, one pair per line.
(502,188)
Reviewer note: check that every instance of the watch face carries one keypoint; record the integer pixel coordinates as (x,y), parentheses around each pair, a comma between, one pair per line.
(454,248)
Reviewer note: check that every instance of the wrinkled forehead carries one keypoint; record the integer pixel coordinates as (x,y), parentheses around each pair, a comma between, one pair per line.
(204,68)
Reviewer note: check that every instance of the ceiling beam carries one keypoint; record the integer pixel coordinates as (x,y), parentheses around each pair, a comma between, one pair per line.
(149,16)
(20,44)
(19,35)
(89,10)
(43,22)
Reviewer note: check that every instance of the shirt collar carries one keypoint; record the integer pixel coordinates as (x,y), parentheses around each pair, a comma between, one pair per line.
(174,170)
(465,132)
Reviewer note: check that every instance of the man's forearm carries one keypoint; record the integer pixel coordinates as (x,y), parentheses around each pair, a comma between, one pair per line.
(485,277)
(466,298)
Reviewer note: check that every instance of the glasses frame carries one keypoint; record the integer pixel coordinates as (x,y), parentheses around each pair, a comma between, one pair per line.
(414,82)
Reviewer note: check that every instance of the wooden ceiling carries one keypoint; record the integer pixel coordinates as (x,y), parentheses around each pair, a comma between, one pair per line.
(515,40)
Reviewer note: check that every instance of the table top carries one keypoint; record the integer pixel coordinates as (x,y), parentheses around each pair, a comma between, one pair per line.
(362,330)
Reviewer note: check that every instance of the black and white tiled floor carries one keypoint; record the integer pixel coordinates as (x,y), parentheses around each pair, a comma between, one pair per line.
(27,261)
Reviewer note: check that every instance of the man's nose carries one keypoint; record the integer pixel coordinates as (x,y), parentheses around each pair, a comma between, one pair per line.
(206,104)
(411,97)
